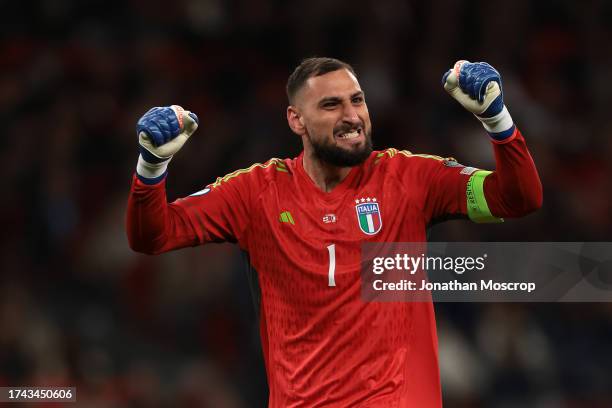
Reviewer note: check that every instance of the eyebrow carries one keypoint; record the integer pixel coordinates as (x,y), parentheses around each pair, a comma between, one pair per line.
(338,99)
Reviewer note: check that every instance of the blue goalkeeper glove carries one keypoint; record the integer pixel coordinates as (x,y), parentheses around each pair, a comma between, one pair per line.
(162,131)
(477,87)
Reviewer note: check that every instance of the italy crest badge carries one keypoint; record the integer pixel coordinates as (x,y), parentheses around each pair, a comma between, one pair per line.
(368,215)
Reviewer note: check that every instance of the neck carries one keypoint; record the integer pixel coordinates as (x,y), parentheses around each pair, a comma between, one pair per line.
(324,175)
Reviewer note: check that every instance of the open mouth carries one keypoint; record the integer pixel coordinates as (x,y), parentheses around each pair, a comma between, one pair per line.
(352,134)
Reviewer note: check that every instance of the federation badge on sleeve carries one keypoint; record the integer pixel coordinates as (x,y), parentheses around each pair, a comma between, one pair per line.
(451,162)
(368,215)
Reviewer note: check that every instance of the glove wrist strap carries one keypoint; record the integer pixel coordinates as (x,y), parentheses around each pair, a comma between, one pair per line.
(500,123)
(151,172)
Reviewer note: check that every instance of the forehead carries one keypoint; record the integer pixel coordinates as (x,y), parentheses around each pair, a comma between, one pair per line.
(338,83)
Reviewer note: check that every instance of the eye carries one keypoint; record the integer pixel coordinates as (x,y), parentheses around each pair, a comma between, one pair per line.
(358,99)
(329,105)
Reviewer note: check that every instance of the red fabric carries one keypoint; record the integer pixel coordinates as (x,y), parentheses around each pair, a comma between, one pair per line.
(322,344)
(514,189)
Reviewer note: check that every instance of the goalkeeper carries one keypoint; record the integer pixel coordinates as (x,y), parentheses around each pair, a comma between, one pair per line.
(302,221)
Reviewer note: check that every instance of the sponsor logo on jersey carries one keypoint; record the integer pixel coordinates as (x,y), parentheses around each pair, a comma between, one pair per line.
(286,216)
(329,218)
(201,192)
(368,215)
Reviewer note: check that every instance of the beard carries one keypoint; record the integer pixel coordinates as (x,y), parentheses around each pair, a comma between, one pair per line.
(330,153)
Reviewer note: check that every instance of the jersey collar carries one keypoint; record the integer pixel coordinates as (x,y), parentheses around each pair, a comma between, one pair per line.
(350,181)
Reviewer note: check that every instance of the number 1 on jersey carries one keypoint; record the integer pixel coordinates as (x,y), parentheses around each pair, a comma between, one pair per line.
(332,265)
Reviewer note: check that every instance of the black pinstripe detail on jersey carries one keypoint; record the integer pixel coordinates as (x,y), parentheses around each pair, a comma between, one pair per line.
(253,279)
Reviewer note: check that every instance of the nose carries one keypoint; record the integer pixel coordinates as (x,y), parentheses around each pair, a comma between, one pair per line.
(350,115)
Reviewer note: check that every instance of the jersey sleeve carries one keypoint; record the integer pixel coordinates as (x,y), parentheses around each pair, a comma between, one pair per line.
(456,190)
(445,185)
(219,212)
(450,189)
(514,189)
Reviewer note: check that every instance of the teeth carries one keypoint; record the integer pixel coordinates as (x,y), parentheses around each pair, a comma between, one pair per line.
(350,135)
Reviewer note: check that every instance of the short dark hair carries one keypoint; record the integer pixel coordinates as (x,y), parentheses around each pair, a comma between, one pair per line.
(312,67)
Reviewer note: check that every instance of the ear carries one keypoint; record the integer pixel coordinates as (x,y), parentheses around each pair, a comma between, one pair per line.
(295,120)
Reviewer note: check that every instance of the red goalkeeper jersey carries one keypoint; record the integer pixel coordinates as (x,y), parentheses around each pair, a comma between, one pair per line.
(322,344)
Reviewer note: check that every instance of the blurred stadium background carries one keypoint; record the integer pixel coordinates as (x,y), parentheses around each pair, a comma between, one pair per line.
(77,307)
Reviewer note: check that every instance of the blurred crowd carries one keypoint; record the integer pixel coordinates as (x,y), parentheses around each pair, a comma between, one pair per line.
(78,308)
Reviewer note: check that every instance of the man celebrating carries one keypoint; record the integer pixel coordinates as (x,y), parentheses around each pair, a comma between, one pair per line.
(302,222)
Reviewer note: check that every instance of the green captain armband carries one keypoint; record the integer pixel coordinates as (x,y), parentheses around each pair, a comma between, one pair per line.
(477,207)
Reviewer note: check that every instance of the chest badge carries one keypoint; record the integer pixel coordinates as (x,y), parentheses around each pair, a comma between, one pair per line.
(368,215)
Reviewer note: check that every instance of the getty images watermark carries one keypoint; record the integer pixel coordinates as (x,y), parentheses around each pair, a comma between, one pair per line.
(487,272)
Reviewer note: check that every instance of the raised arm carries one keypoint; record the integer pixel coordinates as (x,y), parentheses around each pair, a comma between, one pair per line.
(514,188)
(217,213)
